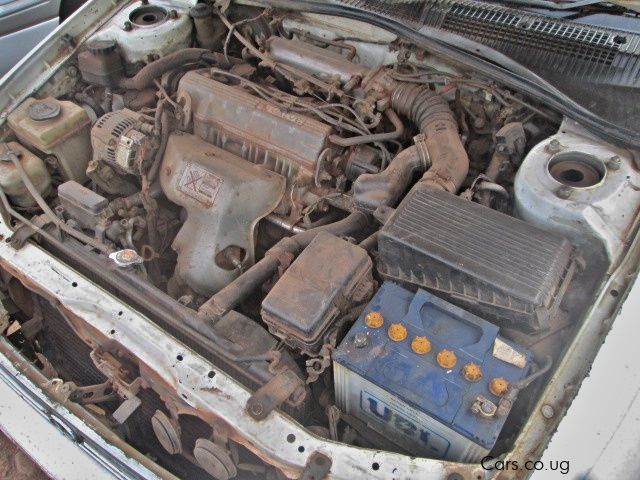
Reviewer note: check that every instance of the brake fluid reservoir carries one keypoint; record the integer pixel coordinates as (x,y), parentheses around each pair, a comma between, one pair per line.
(11,180)
(56,127)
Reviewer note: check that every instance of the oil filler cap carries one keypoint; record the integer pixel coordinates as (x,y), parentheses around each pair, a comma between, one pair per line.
(44,111)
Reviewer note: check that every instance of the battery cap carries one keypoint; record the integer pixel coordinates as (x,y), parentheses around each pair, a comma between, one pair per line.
(498,386)
(446,358)
(420,345)
(397,332)
(472,372)
(374,319)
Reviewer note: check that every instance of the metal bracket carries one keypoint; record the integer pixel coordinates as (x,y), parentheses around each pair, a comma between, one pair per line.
(317,467)
(272,394)
(99,393)
(25,232)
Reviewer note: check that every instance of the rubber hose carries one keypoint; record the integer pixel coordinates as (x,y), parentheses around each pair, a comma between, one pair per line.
(433,117)
(145,77)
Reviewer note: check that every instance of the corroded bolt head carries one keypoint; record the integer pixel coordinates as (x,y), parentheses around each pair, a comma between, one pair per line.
(397,332)
(446,358)
(614,163)
(127,26)
(499,386)
(256,408)
(563,192)
(421,345)
(173,14)
(374,320)
(554,146)
(360,340)
(547,411)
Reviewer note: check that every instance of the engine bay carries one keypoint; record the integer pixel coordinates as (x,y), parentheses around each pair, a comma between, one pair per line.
(388,247)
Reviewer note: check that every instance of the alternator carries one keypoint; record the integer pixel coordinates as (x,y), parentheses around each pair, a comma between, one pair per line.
(121,140)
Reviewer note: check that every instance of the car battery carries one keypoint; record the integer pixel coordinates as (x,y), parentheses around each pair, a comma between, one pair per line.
(435,379)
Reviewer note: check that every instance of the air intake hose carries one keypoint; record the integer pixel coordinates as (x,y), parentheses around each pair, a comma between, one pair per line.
(433,117)
(439,149)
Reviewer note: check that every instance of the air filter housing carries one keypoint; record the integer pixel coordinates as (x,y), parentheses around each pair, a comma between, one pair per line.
(492,264)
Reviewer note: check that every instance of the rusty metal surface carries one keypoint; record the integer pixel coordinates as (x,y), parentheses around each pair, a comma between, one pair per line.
(255,129)
(40,407)
(224,197)
(315,60)
(277,439)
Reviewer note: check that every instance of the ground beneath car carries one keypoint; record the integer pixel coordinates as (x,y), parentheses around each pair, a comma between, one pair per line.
(15,464)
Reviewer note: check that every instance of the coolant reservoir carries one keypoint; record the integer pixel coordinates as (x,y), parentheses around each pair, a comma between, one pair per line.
(11,180)
(56,127)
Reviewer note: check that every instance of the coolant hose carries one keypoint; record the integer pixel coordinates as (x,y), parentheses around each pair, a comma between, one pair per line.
(282,253)
(433,117)
(145,77)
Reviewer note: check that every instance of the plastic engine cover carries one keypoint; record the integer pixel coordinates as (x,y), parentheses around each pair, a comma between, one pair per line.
(224,197)
(492,264)
(407,396)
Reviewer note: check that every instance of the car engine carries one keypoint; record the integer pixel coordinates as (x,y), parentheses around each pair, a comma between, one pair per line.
(388,247)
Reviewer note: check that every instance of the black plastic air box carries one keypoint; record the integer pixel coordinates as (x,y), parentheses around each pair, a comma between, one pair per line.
(487,262)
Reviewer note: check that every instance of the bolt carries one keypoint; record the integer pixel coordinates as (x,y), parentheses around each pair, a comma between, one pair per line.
(127,26)
(360,340)
(554,146)
(256,409)
(547,411)
(173,14)
(563,192)
(614,162)
(486,407)
(72,71)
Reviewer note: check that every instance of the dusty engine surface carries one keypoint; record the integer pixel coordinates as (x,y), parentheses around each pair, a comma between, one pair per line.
(224,197)
(329,218)
(255,129)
